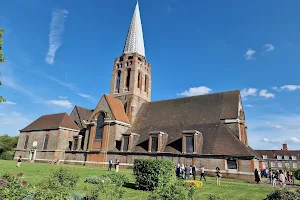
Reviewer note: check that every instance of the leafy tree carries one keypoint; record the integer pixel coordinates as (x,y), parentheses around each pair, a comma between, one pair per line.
(7,146)
(2,58)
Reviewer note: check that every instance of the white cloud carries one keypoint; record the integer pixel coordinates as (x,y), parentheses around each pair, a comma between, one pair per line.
(265,140)
(196,91)
(74,89)
(84,95)
(249,105)
(248,92)
(57,27)
(9,103)
(249,55)
(275,126)
(294,140)
(290,87)
(61,103)
(276,89)
(62,97)
(269,47)
(265,94)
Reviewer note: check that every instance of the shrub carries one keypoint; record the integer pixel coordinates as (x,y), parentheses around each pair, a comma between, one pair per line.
(104,190)
(297,174)
(283,194)
(118,179)
(173,190)
(7,155)
(196,184)
(57,185)
(150,172)
(13,186)
(65,176)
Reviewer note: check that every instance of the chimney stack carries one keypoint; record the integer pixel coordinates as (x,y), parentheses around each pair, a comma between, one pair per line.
(284,147)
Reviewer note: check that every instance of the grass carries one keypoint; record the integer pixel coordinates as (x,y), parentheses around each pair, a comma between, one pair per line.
(229,189)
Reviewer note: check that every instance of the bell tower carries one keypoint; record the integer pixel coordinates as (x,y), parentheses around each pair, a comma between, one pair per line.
(131,74)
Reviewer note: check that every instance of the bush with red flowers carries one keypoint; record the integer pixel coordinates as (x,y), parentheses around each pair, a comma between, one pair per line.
(13,186)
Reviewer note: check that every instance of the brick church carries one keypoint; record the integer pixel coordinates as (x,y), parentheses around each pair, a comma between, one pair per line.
(207,130)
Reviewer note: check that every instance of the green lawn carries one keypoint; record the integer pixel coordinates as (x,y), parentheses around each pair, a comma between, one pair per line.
(232,189)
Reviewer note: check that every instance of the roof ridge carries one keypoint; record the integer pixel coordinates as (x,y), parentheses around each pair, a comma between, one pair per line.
(195,96)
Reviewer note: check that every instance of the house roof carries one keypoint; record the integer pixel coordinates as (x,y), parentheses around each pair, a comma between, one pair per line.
(117,109)
(201,113)
(51,122)
(79,114)
(271,154)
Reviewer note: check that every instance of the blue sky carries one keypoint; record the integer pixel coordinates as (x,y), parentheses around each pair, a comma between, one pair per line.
(195,47)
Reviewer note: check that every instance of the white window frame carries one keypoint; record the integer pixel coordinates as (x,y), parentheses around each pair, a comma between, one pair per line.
(294,158)
(286,157)
(272,164)
(265,157)
(237,165)
(279,164)
(287,164)
(279,157)
(295,165)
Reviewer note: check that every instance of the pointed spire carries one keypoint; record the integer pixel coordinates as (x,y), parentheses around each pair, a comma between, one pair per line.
(135,41)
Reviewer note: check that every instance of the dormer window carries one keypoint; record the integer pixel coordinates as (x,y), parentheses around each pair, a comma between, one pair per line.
(157,141)
(286,157)
(265,157)
(129,140)
(154,145)
(294,158)
(125,143)
(189,142)
(279,157)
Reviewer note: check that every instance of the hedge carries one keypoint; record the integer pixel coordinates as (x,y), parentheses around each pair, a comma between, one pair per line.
(151,172)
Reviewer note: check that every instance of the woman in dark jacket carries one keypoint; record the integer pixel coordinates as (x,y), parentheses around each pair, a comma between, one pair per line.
(256,175)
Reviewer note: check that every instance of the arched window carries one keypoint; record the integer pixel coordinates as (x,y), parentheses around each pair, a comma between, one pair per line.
(26,141)
(128,78)
(46,142)
(100,126)
(146,83)
(139,80)
(125,107)
(118,80)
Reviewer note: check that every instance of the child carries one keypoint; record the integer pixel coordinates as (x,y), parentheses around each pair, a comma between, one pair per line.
(19,161)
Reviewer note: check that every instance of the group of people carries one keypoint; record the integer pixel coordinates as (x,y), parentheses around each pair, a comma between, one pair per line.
(275,176)
(184,172)
(110,164)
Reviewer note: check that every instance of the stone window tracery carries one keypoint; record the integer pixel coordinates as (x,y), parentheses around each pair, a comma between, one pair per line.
(46,142)
(26,141)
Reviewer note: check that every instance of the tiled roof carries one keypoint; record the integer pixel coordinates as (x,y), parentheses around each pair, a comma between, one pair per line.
(201,113)
(51,122)
(79,114)
(271,154)
(135,41)
(117,109)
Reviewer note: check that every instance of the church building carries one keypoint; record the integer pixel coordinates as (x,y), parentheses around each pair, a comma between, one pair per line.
(207,130)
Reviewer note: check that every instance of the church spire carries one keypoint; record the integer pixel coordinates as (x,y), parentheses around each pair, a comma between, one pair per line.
(135,41)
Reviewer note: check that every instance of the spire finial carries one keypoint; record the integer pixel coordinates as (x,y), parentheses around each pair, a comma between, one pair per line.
(135,41)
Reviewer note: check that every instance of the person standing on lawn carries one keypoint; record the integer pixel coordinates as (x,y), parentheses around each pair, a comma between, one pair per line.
(274,179)
(178,170)
(281,179)
(194,171)
(117,165)
(202,173)
(187,172)
(218,176)
(19,161)
(256,175)
(110,165)
(183,171)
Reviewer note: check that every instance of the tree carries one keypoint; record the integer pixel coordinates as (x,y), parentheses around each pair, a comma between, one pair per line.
(7,146)
(2,58)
